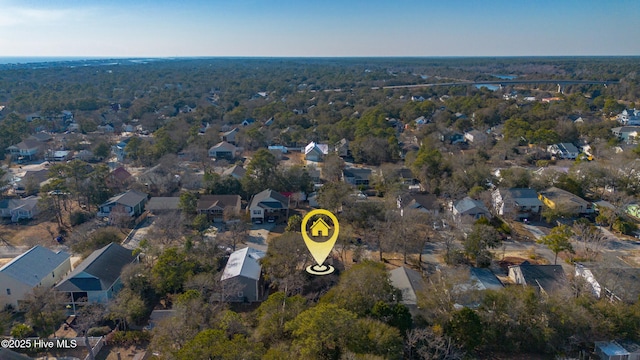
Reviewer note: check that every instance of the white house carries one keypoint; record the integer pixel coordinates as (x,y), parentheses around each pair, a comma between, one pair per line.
(563,150)
(38,266)
(629,117)
(315,152)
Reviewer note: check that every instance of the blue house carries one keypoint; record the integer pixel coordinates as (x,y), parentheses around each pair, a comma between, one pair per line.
(97,278)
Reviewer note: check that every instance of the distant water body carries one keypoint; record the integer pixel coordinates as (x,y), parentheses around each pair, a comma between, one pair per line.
(34,60)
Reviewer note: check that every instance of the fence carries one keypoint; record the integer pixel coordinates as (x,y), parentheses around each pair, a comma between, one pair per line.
(96,348)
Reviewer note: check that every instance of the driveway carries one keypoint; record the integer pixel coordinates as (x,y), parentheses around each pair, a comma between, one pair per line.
(138,233)
(258,235)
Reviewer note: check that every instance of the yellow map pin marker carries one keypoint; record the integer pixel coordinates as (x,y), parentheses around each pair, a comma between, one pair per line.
(320,250)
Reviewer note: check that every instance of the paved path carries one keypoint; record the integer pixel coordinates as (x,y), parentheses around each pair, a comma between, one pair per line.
(139,233)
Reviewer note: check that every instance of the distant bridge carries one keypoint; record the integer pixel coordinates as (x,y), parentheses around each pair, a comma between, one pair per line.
(560,83)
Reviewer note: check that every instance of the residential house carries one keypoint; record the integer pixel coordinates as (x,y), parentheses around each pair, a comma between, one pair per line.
(565,202)
(517,203)
(224,150)
(427,203)
(119,149)
(452,138)
(97,278)
(469,293)
(57,155)
(315,152)
(278,151)
(629,117)
(37,267)
(128,128)
(484,279)
(30,182)
(417,98)
(247,122)
(617,350)
(230,136)
(422,120)
(627,134)
(162,204)
(41,136)
(106,129)
(130,203)
(86,156)
(215,206)
(119,178)
(237,172)
(34,116)
(407,178)
(410,283)
(26,150)
(242,276)
(470,208)
(269,205)
(269,121)
(342,148)
(476,136)
(613,283)
(545,278)
(19,209)
(357,176)
(563,151)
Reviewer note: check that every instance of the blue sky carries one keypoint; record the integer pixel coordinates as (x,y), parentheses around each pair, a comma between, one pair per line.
(162,28)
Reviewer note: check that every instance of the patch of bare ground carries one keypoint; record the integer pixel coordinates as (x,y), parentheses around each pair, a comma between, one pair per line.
(34,232)
(632,258)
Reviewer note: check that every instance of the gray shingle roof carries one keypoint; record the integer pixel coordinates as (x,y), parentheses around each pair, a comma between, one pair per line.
(409,282)
(235,170)
(465,205)
(264,198)
(547,277)
(129,198)
(223,146)
(34,265)
(357,173)
(221,201)
(99,271)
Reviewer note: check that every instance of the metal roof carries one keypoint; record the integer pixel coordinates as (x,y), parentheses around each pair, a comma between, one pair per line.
(244,262)
(34,265)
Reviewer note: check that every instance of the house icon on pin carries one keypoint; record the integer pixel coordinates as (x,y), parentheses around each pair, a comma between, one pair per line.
(319,228)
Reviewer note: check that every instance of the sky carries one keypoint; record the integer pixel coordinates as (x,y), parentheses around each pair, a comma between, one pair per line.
(318,28)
